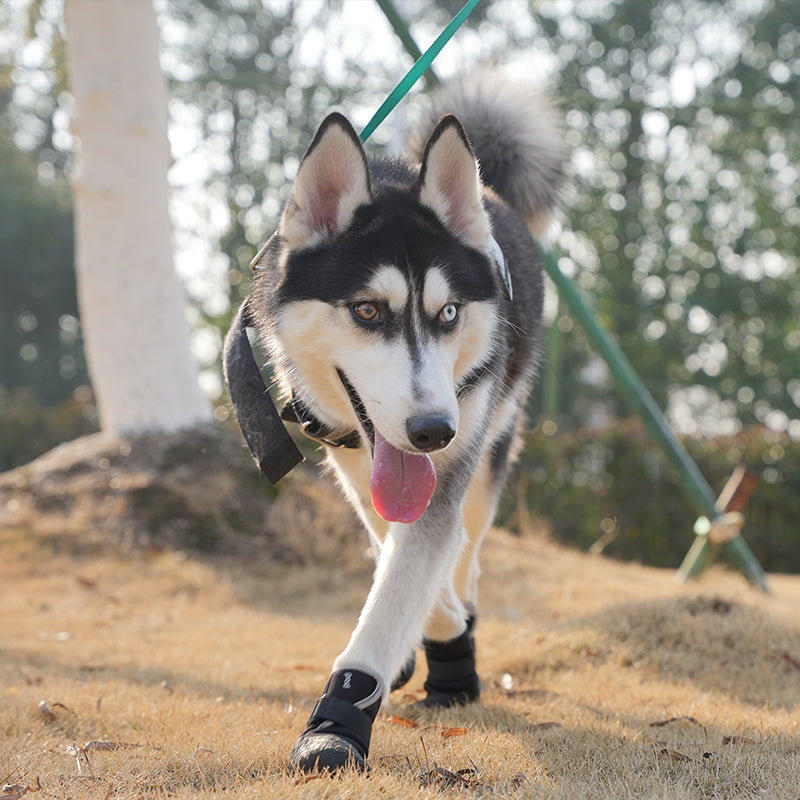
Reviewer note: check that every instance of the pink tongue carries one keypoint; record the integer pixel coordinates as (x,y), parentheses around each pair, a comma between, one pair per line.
(402,483)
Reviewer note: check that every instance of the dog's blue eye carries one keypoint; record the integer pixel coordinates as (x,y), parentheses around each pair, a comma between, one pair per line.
(367,311)
(449,314)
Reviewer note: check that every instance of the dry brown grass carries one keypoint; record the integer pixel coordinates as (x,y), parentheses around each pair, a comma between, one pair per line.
(601,680)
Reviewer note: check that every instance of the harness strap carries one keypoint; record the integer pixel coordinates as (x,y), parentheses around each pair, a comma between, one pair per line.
(357,724)
(316,430)
(266,436)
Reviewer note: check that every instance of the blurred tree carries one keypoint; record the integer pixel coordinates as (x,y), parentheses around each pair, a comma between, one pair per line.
(132,308)
(683,214)
(40,345)
(250,82)
(33,98)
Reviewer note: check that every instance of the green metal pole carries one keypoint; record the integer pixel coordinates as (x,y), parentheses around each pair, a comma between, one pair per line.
(551,376)
(742,556)
(646,407)
(404,34)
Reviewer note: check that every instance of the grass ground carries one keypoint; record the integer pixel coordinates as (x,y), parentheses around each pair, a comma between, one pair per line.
(152,674)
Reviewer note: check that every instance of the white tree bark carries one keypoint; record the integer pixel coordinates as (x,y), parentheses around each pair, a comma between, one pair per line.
(132,308)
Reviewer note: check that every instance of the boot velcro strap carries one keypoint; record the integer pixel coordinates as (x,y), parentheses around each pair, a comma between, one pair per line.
(459,670)
(332,709)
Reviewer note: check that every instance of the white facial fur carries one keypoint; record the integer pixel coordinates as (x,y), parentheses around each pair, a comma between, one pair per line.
(318,337)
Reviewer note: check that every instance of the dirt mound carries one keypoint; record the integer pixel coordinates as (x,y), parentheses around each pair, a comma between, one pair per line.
(196,490)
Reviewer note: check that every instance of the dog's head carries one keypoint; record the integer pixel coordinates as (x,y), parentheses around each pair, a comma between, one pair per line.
(386,292)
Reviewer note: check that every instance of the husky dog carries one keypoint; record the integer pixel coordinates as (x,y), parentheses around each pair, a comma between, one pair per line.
(400,305)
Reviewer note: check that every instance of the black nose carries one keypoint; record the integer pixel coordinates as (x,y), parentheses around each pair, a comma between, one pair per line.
(430,432)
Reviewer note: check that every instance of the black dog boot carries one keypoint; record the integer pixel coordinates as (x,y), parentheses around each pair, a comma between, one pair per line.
(452,679)
(340,726)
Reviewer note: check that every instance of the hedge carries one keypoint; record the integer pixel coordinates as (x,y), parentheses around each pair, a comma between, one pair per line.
(614,489)
(28,429)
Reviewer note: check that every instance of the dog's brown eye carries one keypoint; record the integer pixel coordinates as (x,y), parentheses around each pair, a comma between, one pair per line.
(367,312)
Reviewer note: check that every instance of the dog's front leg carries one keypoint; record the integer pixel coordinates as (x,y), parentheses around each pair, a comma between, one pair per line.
(415,564)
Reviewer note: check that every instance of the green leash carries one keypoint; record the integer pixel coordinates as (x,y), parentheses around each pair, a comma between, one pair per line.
(416,72)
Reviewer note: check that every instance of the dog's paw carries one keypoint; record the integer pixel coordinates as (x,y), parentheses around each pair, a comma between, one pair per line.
(452,679)
(339,729)
(406,671)
(326,752)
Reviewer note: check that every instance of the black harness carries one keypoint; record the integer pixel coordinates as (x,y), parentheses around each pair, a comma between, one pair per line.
(270,443)
(266,436)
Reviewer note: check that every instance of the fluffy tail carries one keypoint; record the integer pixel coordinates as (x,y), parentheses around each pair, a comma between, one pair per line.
(516,135)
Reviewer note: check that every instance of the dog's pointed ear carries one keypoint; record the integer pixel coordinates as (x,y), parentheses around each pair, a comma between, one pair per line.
(449,183)
(332,182)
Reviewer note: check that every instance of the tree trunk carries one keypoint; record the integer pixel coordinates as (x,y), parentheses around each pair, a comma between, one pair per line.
(132,308)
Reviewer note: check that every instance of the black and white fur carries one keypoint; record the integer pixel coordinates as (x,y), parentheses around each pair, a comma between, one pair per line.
(382,306)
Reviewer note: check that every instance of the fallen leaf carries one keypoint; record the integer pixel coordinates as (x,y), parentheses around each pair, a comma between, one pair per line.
(668,754)
(450,732)
(519,779)
(308,778)
(13,791)
(406,723)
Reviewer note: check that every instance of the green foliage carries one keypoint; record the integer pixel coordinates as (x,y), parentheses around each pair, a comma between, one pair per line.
(40,345)
(614,489)
(683,213)
(28,429)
